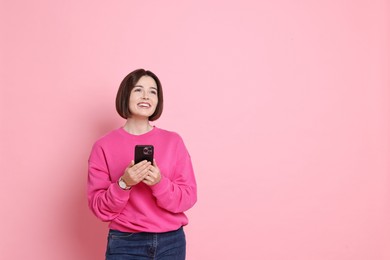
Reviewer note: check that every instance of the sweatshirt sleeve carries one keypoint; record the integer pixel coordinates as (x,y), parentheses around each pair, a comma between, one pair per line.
(179,193)
(105,198)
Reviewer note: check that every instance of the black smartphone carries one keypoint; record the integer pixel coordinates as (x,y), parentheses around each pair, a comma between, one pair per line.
(143,152)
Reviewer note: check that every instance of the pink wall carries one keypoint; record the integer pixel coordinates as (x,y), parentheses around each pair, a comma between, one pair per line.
(284,106)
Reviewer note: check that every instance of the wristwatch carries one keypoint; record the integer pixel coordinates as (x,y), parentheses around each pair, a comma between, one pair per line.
(122,184)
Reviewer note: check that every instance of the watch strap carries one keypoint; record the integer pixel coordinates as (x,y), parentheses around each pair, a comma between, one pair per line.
(123,185)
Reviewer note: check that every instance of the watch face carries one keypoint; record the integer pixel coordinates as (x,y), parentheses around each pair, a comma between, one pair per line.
(122,184)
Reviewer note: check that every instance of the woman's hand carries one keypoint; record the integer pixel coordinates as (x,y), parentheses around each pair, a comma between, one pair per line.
(134,174)
(154,176)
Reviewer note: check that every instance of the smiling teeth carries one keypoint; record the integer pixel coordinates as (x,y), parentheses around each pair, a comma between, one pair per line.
(143,105)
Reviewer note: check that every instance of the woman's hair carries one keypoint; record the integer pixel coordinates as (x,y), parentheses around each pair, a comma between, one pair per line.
(127,85)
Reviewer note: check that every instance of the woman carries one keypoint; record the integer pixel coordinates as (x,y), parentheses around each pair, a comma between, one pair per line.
(144,202)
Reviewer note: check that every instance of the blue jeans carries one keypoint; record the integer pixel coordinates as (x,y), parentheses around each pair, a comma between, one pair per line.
(156,246)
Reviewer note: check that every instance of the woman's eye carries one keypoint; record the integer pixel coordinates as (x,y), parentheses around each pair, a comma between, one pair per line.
(137,90)
(153,92)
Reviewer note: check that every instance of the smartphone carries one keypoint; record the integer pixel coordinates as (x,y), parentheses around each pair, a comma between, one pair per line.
(143,152)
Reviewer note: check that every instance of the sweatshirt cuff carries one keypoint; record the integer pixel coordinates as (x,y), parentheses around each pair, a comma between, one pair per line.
(118,193)
(160,187)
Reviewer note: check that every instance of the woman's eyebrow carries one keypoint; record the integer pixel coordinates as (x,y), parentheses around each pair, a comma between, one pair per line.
(140,86)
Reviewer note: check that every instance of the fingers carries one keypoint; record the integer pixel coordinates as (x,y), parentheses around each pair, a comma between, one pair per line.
(141,165)
(143,171)
(136,173)
(150,180)
(154,175)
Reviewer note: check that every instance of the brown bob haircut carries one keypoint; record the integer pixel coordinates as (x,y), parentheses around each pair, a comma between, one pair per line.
(127,85)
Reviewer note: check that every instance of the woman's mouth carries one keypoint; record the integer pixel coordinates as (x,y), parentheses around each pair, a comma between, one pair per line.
(144,105)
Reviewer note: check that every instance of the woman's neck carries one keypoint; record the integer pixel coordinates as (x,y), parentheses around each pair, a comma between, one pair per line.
(137,126)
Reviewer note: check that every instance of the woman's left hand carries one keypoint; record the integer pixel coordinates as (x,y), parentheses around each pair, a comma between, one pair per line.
(154,175)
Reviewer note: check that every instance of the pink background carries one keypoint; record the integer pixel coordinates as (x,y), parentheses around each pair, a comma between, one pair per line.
(284,106)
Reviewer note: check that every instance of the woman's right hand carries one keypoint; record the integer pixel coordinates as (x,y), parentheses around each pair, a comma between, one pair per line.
(136,173)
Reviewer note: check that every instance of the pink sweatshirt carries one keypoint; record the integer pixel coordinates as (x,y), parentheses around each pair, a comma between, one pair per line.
(143,208)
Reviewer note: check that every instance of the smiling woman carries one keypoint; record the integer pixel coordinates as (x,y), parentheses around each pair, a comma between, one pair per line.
(143,98)
(144,202)
(139,85)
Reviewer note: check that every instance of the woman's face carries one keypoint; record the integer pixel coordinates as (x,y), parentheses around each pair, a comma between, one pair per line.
(143,98)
